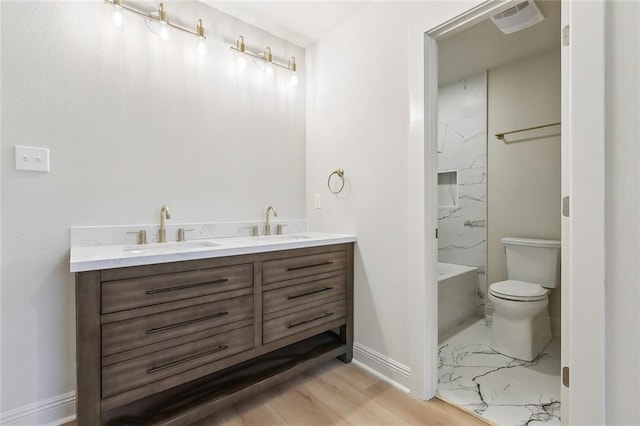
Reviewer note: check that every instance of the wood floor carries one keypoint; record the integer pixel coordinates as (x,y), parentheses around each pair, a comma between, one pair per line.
(338,394)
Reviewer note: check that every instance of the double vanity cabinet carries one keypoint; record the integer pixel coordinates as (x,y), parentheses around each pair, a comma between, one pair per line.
(168,343)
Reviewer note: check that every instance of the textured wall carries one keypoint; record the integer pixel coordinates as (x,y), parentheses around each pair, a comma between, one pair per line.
(132,123)
(360,112)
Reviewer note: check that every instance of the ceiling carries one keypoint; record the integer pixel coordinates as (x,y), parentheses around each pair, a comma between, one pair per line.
(466,53)
(299,22)
(484,46)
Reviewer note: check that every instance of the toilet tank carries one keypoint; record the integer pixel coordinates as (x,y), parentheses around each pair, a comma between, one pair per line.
(533,261)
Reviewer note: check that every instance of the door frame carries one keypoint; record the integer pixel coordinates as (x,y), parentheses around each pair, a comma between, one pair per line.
(583,162)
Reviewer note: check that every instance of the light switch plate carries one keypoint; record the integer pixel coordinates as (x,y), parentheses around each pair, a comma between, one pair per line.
(316,201)
(32,159)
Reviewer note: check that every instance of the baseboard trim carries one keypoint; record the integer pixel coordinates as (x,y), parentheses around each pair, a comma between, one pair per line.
(387,369)
(50,412)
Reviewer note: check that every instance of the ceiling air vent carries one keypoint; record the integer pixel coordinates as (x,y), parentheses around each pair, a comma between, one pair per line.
(518,17)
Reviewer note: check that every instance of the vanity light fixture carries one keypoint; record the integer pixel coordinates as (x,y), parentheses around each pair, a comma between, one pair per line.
(157,21)
(292,64)
(202,47)
(266,57)
(159,25)
(240,46)
(293,68)
(241,60)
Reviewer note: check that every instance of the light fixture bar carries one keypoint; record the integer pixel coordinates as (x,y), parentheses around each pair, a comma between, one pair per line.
(265,56)
(199,32)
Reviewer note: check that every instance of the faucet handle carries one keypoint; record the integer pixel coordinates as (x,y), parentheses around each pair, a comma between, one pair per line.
(254,230)
(181,232)
(279,228)
(142,236)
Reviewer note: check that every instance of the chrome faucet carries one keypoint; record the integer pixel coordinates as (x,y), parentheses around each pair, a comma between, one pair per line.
(164,215)
(267,227)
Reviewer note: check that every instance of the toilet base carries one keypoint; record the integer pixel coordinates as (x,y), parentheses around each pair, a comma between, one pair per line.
(519,329)
(524,339)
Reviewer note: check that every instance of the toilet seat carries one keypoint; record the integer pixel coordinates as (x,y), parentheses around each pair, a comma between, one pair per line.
(519,291)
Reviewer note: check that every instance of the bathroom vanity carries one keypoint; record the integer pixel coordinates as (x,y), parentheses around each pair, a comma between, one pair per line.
(181,334)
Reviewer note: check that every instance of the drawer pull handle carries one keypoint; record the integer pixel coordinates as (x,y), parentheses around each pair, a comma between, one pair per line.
(180,324)
(296,324)
(191,358)
(320,290)
(182,287)
(295,268)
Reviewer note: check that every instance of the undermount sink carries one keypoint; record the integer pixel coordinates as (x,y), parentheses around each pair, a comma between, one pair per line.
(175,247)
(263,239)
(283,237)
(198,245)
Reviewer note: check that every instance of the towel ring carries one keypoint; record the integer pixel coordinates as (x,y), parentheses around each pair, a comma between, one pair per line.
(340,174)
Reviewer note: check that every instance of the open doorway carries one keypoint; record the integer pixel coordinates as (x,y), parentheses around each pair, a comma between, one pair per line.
(490,189)
(583,128)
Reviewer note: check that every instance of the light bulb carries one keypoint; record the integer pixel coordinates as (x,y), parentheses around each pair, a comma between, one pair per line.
(117,15)
(241,61)
(269,71)
(202,47)
(164,32)
(294,80)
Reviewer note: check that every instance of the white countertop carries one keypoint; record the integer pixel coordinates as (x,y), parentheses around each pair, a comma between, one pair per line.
(118,256)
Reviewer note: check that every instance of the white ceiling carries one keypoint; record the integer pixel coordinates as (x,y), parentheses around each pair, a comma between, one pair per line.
(479,48)
(484,46)
(299,22)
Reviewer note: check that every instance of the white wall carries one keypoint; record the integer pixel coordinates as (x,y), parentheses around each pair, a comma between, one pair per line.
(360,106)
(622,212)
(132,123)
(337,137)
(524,172)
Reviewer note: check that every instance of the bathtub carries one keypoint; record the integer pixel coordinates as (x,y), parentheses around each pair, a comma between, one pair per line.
(457,286)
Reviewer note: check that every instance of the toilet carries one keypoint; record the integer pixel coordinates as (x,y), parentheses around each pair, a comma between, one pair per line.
(521,327)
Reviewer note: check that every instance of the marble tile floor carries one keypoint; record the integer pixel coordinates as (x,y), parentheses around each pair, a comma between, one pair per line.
(500,389)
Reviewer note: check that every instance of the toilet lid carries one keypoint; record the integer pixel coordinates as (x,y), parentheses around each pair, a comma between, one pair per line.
(518,290)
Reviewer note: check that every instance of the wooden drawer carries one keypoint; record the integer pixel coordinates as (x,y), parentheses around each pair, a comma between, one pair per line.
(136,372)
(287,325)
(302,266)
(124,335)
(312,291)
(136,292)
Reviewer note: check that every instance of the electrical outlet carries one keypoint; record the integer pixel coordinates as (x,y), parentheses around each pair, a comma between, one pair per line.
(32,159)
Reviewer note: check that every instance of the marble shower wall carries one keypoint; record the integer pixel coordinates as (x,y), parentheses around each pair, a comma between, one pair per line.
(462,173)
